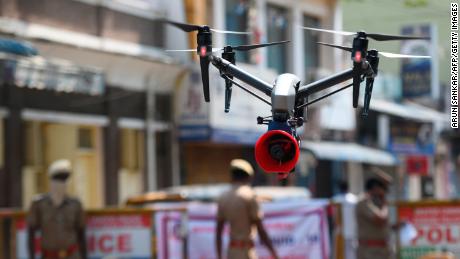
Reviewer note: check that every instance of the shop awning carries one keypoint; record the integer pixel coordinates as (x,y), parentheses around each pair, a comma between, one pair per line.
(341,151)
(408,110)
(17,47)
(61,75)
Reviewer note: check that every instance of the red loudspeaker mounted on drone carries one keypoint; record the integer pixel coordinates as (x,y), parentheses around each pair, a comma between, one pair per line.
(277,151)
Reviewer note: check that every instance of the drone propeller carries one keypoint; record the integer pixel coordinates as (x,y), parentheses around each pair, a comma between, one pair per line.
(255,46)
(190,50)
(394,55)
(237,48)
(193,27)
(385,54)
(204,42)
(374,36)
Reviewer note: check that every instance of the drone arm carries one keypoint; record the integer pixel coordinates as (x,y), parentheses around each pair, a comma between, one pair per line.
(325,83)
(232,70)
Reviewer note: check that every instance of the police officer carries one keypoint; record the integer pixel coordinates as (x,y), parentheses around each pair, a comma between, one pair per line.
(239,208)
(58,217)
(372,220)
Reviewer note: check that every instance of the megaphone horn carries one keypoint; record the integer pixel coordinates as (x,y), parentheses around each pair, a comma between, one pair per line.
(277,151)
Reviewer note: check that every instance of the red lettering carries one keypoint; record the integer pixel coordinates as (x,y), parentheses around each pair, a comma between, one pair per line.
(450,238)
(434,235)
(124,243)
(106,244)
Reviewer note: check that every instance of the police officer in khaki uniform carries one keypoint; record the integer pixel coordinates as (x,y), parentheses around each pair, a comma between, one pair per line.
(58,217)
(372,220)
(240,209)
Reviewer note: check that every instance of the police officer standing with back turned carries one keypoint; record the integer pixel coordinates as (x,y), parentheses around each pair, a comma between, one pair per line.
(240,209)
(372,220)
(58,217)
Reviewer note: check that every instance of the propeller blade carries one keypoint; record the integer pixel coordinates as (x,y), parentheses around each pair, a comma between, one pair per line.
(375,36)
(255,46)
(183,26)
(181,50)
(394,55)
(191,50)
(385,37)
(336,46)
(231,32)
(346,33)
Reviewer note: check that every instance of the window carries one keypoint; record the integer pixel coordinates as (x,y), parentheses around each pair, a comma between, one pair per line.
(277,30)
(163,107)
(132,149)
(85,138)
(164,159)
(237,19)
(311,49)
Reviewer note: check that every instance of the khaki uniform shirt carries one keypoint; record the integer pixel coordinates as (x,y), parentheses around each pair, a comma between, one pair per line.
(58,225)
(369,231)
(239,207)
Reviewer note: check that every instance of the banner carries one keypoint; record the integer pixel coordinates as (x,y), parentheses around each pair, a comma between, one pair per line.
(115,235)
(169,240)
(438,229)
(298,229)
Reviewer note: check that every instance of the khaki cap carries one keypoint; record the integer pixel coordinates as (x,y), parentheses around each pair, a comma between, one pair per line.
(59,167)
(382,175)
(242,165)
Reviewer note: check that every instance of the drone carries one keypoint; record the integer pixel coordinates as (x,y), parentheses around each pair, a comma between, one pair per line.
(277,151)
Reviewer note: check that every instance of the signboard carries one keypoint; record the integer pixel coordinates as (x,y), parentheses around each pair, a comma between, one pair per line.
(416,73)
(417,165)
(438,228)
(54,75)
(116,235)
(410,137)
(298,229)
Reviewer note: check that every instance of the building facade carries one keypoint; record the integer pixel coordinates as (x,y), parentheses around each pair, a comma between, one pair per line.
(99,94)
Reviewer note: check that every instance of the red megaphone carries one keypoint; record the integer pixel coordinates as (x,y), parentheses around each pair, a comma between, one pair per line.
(277,151)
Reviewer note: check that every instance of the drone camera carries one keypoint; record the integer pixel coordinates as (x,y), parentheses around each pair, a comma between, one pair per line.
(277,151)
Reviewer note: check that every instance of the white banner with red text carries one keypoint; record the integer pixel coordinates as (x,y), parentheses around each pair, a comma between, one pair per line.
(298,230)
(437,227)
(117,235)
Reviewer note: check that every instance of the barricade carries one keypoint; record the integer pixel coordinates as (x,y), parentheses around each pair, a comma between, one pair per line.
(120,233)
(184,230)
(437,224)
(298,229)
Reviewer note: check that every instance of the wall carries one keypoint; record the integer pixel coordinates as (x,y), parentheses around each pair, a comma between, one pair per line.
(47,142)
(209,163)
(98,20)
